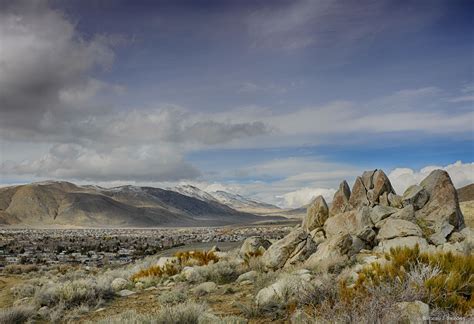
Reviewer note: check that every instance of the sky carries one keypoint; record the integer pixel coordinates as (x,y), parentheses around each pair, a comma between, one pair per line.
(275,100)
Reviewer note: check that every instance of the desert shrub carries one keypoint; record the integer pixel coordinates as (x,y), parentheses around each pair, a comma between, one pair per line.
(185,313)
(213,319)
(23,290)
(172,297)
(221,272)
(73,293)
(16,315)
(129,317)
(156,271)
(273,310)
(264,279)
(192,258)
(444,279)
(20,268)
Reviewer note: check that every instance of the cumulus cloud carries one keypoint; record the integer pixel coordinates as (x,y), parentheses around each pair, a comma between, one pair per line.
(461,174)
(44,63)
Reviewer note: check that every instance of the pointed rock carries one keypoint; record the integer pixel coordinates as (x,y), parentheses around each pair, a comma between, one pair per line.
(381,185)
(442,207)
(340,201)
(367,179)
(358,195)
(316,215)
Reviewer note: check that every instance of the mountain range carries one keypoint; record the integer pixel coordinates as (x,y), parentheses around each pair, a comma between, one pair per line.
(234,201)
(55,203)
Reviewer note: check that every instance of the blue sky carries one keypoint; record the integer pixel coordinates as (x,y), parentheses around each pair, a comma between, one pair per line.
(278,100)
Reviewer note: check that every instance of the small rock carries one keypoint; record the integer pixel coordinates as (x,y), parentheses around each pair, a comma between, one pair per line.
(44,311)
(413,312)
(250,276)
(125,293)
(119,284)
(395,200)
(139,285)
(205,287)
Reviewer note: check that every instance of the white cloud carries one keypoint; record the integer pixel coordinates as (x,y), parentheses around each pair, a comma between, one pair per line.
(303,196)
(461,174)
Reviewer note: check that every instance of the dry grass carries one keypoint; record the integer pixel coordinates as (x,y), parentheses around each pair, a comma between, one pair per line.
(16,315)
(445,280)
(156,271)
(191,258)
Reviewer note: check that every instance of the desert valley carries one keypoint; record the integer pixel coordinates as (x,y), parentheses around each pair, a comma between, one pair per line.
(369,256)
(236,161)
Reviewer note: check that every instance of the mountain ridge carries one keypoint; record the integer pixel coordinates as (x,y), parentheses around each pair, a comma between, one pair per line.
(51,203)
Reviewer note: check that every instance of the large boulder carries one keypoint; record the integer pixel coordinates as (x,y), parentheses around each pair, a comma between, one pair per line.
(380,212)
(442,208)
(415,195)
(351,222)
(254,245)
(406,213)
(408,241)
(358,194)
(393,228)
(340,201)
(316,215)
(334,250)
(297,246)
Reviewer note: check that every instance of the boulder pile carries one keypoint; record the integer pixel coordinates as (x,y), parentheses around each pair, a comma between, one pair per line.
(372,216)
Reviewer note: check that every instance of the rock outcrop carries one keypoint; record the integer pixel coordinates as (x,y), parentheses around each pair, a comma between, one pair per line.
(441,213)
(350,222)
(316,215)
(254,245)
(340,201)
(373,217)
(297,246)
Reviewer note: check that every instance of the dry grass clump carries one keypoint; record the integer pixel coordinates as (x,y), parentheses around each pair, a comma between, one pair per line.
(156,271)
(444,280)
(184,313)
(16,315)
(20,268)
(191,258)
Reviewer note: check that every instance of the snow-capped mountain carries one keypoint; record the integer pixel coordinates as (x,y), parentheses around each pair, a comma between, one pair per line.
(195,192)
(239,202)
(232,200)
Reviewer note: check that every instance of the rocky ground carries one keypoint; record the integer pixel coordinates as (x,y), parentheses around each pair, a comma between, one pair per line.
(372,257)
